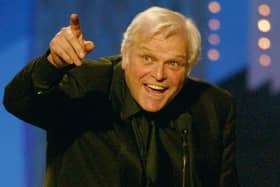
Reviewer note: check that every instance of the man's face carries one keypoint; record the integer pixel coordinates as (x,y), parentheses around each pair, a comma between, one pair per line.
(155,69)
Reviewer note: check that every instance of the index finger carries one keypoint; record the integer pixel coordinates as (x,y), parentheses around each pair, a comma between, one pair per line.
(75,22)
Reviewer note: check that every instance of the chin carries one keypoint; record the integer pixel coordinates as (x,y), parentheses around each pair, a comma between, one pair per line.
(151,108)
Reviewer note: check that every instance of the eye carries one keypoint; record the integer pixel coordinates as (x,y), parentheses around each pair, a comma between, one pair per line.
(173,64)
(147,58)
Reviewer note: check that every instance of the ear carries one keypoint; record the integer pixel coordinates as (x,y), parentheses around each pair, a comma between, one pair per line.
(124,59)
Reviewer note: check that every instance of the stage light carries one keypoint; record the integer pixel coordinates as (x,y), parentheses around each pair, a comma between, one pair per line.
(264,43)
(214,7)
(265,60)
(213,54)
(214,39)
(214,24)
(264,25)
(264,10)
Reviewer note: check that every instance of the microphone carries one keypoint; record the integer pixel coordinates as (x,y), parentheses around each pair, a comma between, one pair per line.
(183,126)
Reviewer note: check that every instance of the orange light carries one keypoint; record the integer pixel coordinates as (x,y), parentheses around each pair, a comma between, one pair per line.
(214,39)
(214,24)
(213,54)
(264,10)
(264,25)
(214,7)
(265,60)
(264,43)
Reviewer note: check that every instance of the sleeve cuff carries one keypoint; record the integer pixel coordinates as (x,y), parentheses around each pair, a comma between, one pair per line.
(45,75)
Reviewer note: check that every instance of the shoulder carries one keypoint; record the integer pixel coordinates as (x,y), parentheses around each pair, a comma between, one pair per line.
(203,88)
(201,95)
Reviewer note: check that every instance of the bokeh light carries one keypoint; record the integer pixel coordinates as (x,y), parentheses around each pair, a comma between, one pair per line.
(214,24)
(214,39)
(214,7)
(264,10)
(213,54)
(265,60)
(264,43)
(264,25)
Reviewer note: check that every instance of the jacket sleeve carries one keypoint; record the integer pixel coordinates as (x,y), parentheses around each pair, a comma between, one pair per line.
(229,177)
(47,97)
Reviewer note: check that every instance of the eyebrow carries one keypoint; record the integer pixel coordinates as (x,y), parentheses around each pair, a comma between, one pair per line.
(176,56)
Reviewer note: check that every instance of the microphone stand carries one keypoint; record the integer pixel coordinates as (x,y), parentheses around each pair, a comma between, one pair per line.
(184,157)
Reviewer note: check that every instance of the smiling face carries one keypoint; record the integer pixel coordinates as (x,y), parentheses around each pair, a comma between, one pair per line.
(155,69)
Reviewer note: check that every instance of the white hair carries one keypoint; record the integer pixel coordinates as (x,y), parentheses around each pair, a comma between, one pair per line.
(167,22)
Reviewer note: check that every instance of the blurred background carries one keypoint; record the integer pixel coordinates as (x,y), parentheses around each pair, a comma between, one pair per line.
(240,53)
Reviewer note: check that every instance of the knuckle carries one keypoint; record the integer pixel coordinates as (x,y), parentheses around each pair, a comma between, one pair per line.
(59,54)
(63,29)
(69,33)
(68,49)
(52,43)
(66,59)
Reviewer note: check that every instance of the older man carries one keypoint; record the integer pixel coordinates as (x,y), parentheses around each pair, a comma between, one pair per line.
(132,120)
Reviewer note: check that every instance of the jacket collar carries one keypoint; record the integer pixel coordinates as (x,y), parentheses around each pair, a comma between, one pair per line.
(123,102)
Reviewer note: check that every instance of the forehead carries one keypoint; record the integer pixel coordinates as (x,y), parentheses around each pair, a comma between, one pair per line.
(160,32)
(164,30)
(163,44)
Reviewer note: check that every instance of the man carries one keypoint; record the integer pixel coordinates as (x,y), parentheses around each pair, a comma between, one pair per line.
(132,120)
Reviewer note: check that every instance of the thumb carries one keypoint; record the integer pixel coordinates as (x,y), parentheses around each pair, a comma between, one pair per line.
(89,46)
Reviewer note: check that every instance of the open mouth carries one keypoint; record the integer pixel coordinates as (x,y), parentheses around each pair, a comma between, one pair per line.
(155,89)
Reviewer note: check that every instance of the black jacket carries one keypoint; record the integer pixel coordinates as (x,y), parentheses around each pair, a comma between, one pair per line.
(98,136)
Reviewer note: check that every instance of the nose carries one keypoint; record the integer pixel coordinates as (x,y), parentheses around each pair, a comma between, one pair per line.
(159,72)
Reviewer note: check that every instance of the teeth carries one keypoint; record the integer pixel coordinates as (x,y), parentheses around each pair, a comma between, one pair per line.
(155,87)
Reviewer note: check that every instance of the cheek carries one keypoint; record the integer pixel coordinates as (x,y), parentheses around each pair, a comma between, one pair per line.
(177,80)
(133,75)
(138,71)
